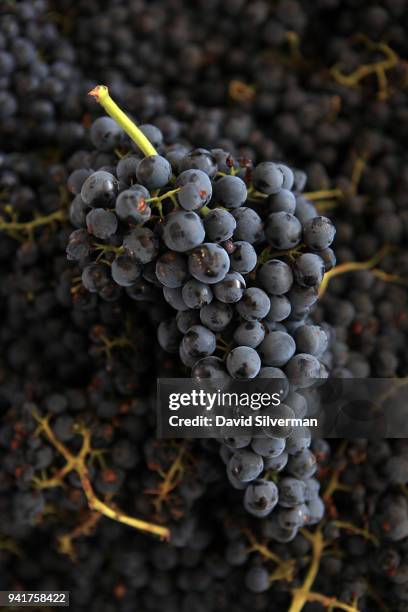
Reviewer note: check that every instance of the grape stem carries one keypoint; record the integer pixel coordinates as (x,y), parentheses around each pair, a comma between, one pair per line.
(77,463)
(101,95)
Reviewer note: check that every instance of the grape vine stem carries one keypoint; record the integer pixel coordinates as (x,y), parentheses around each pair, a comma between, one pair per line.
(101,95)
(78,464)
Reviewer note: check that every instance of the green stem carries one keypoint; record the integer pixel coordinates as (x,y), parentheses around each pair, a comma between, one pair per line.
(101,95)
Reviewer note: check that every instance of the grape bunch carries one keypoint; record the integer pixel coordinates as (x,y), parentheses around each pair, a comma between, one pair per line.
(238,254)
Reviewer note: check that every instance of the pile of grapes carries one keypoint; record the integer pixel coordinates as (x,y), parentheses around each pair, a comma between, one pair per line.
(186,248)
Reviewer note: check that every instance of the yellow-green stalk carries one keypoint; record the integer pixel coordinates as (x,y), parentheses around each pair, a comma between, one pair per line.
(101,95)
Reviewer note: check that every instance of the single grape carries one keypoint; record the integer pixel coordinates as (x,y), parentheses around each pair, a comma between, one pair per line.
(298,440)
(280,308)
(174,297)
(209,367)
(219,225)
(237,442)
(216,316)
(261,497)
(186,319)
(153,134)
(182,231)
(254,305)
(126,171)
(208,263)
(243,257)
(308,270)
(257,579)
(293,518)
(153,172)
(245,465)
(131,205)
(100,189)
(267,178)
(195,189)
(283,230)
(168,336)
(276,464)
(200,159)
(302,465)
(303,370)
(199,342)
(243,362)
(142,244)
(106,134)
(196,294)
(292,492)
(318,233)
(283,201)
(311,339)
(278,533)
(125,270)
(78,246)
(288,176)
(312,489)
(95,276)
(277,348)
(76,179)
(77,212)
(275,276)
(315,511)
(101,223)
(297,403)
(171,270)
(249,225)
(249,333)
(305,209)
(230,191)
(268,447)
(230,289)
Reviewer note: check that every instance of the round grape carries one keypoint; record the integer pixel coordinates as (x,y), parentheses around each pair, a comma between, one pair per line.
(131,205)
(243,362)
(230,191)
(283,230)
(182,231)
(100,189)
(195,189)
(261,497)
(267,178)
(196,294)
(219,225)
(318,233)
(276,277)
(254,305)
(277,348)
(101,223)
(141,244)
(243,258)
(208,263)
(153,172)
(171,270)
(309,270)
(125,270)
(230,289)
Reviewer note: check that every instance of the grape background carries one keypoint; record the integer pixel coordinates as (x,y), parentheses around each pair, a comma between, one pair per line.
(320,86)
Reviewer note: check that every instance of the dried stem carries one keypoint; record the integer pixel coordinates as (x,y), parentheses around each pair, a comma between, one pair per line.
(78,464)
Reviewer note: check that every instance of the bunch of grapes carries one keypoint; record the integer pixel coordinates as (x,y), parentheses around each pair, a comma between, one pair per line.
(238,255)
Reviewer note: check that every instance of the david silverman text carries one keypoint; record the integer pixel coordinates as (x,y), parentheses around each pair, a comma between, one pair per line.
(243,421)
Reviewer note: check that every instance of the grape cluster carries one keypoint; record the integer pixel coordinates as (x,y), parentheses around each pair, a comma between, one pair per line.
(227,247)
